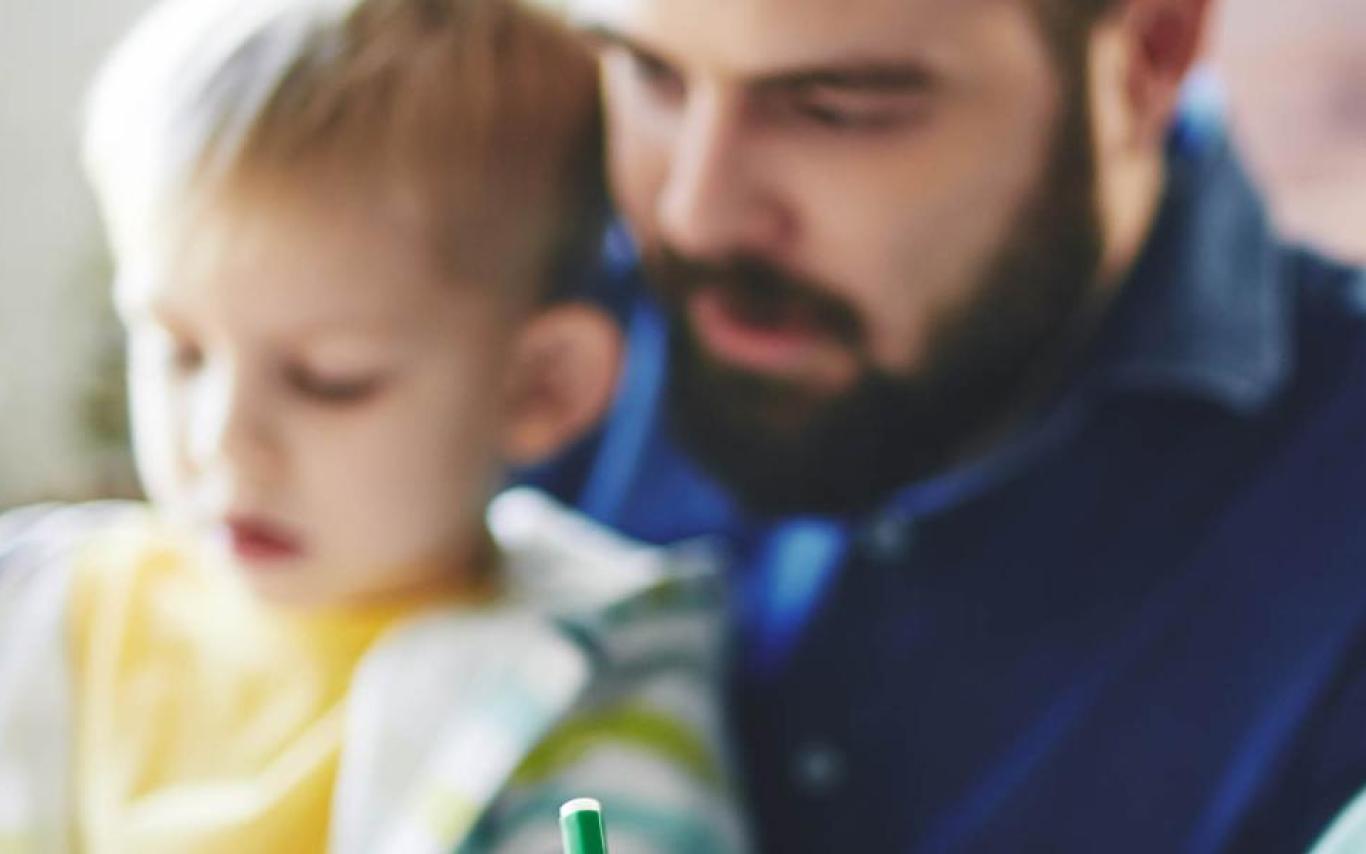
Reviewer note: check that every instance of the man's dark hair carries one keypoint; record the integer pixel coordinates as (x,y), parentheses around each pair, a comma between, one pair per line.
(1066,23)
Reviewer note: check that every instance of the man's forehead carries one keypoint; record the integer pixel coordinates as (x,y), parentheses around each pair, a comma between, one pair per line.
(756,36)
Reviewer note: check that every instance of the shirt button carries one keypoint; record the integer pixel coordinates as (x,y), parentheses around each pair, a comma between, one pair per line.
(818,768)
(888,539)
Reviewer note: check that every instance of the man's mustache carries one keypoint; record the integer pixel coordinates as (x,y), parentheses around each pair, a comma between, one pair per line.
(763,293)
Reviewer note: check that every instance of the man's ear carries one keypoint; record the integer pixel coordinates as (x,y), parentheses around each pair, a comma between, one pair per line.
(564,370)
(1166,38)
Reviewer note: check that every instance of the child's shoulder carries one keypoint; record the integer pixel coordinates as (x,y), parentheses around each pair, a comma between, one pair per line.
(58,523)
(40,548)
(78,553)
(50,537)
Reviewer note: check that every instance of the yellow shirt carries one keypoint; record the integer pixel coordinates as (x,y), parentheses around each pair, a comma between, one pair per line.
(206,721)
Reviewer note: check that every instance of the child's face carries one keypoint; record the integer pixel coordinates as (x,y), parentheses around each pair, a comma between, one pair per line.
(310,395)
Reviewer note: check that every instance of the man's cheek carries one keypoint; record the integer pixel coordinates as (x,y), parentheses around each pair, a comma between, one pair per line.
(638,173)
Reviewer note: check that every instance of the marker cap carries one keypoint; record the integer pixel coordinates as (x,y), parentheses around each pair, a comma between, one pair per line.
(581,827)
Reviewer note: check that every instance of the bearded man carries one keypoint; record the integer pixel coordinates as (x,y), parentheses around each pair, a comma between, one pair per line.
(1043,459)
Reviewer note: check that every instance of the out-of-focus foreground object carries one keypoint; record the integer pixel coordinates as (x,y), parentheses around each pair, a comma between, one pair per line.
(582,828)
(1296,78)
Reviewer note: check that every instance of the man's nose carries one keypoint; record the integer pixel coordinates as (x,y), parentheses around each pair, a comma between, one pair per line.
(715,202)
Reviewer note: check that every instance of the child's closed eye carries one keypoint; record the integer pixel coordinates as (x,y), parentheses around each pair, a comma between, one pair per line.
(335,389)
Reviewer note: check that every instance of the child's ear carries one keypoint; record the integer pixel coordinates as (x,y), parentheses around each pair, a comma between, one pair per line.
(564,371)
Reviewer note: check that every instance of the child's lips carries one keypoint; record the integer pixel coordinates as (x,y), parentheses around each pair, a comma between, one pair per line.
(260,541)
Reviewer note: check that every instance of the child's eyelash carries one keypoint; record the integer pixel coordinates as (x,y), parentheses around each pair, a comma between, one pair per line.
(348,390)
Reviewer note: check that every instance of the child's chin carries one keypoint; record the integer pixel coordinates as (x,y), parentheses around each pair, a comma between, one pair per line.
(294,588)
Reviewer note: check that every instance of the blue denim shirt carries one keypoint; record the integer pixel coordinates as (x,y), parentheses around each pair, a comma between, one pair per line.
(1137,626)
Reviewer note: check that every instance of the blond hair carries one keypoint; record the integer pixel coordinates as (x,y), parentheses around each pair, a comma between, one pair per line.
(474,119)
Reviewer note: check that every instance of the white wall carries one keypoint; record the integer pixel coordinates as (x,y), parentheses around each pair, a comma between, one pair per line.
(50,250)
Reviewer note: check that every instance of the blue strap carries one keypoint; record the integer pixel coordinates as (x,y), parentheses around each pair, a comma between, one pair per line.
(789,567)
(634,416)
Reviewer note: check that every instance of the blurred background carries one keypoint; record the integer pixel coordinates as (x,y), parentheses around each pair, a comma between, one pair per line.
(1292,74)
(59,425)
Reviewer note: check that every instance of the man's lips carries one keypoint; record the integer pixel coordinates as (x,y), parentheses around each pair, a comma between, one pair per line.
(772,339)
(260,541)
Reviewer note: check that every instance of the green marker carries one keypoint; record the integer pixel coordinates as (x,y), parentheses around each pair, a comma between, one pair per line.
(581,827)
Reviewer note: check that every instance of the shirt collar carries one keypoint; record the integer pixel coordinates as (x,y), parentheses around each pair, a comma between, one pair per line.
(1205,312)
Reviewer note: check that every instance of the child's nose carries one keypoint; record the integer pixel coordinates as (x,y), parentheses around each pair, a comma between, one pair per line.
(230,425)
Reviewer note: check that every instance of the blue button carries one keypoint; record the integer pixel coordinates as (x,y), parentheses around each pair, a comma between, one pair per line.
(888,539)
(818,768)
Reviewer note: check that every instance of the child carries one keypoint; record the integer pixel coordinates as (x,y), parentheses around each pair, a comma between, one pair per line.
(336,223)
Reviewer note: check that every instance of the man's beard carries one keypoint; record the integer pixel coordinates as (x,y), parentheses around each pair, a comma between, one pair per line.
(784,448)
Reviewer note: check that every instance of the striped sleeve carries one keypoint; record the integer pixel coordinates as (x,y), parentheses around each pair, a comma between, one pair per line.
(645,740)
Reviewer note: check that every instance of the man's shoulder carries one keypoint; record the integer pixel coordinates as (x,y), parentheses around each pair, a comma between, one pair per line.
(1334,286)
(1331,300)
(1329,318)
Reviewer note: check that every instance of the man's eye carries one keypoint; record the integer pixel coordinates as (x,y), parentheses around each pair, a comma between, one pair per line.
(655,75)
(857,113)
(334,390)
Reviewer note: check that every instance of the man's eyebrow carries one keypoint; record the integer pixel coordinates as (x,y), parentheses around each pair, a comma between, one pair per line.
(855,75)
(602,35)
